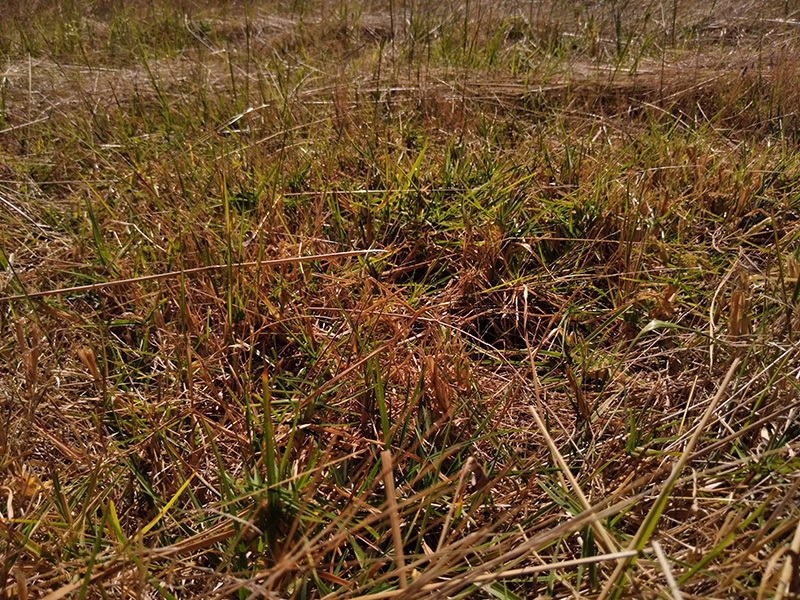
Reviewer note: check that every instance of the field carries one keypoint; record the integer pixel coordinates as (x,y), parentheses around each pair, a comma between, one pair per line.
(385,299)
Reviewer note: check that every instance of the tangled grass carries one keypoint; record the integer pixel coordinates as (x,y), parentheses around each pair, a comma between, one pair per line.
(410,300)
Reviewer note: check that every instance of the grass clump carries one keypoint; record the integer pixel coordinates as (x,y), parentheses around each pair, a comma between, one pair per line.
(399,300)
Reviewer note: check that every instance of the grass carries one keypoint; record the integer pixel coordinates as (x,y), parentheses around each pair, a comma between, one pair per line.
(399,299)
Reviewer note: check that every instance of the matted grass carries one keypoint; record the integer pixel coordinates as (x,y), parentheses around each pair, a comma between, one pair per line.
(399,300)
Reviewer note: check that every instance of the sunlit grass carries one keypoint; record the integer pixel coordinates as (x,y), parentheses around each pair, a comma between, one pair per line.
(556,230)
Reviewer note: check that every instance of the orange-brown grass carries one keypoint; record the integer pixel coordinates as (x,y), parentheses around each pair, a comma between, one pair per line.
(554,354)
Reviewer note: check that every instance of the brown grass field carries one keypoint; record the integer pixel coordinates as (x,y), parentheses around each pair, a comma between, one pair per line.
(394,299)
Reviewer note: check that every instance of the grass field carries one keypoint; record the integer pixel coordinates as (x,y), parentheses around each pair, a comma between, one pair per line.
(399,299)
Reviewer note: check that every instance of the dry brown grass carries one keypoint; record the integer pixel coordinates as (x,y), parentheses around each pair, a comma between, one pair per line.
(585,216)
